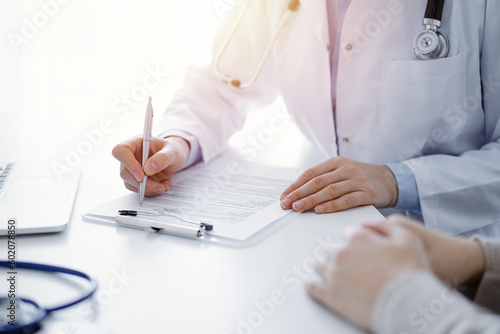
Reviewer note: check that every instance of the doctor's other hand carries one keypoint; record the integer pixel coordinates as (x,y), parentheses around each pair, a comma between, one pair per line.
(340,184)
(356,270)
(166,157)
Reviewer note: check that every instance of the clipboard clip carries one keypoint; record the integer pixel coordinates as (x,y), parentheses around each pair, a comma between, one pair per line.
(192,229)
(134,213)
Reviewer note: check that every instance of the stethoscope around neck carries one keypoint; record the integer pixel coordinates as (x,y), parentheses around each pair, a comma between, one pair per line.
(428,44)
(293,5)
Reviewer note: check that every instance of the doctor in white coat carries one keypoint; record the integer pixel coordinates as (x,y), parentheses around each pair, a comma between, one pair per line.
(422,136)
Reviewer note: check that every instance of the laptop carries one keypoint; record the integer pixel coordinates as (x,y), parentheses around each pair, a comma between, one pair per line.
(35,202)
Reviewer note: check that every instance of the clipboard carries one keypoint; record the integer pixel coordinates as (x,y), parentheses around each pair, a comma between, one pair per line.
(202,237)
(228,217)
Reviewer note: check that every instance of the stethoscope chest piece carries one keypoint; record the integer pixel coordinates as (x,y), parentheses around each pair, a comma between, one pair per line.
(431,45)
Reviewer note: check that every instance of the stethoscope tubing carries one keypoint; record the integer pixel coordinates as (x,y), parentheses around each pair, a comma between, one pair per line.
(432,21)
(283,21)
(434,9)
(55,269)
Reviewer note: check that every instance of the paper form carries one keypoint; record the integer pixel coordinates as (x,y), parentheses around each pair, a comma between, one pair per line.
(238,199)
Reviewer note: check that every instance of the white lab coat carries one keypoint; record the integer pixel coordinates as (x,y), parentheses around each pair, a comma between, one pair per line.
(440,117)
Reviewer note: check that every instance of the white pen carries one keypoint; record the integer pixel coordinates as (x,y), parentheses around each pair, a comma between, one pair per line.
(148,124)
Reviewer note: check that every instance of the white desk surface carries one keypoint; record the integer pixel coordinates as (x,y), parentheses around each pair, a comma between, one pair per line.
(163,284)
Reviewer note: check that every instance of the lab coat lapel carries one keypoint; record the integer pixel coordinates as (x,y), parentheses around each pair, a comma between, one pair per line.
(317,15)
(309,99)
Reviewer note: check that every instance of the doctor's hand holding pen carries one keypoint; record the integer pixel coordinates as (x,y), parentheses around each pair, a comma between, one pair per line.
(166,157)
(339,184)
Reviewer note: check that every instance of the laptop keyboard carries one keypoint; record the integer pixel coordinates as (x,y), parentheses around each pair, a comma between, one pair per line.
(5,169)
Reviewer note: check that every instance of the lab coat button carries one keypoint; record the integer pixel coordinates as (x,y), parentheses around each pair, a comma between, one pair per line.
(345,140)
(348,47)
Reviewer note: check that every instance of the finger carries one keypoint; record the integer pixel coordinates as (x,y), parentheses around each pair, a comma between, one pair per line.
(398,219)
(323,168)
(318,291)
(154,188)
(125,153)
(359,236)
(429,237)
(326,267)
(332,249)
(380,227)
(131,187)
(347,201)
(320,268)
(390,227)
(127,177)
(166,183)
(313,186)
(327,259)
(160,160)
(323,294)
(329,192)
(349,231)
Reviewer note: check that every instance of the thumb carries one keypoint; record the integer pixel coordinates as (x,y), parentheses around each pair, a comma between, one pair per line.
(159,161)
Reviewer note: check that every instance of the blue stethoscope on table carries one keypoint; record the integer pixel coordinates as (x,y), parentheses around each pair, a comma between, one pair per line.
(27,313)
(428,44)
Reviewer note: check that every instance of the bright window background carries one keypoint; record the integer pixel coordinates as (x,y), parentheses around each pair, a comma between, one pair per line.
(64,65)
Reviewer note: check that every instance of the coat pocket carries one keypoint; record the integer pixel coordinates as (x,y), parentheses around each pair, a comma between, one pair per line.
(416,97)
